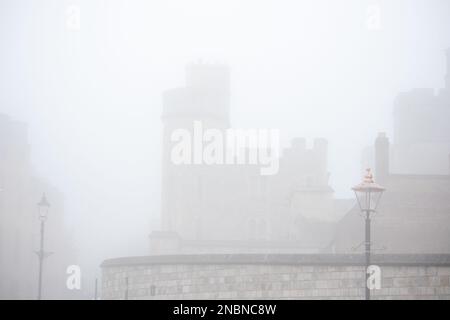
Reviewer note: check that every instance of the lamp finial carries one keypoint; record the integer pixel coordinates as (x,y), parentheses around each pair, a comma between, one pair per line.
(368,178)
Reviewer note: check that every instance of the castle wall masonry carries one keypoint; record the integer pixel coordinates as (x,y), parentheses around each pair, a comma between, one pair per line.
(274,277)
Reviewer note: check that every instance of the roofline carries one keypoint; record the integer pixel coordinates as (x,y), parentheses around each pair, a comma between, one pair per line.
(282,259)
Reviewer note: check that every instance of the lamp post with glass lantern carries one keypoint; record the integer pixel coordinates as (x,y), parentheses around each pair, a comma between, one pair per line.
(368,194)
(43,207)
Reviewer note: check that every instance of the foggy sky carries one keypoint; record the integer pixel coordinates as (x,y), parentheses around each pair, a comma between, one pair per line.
(92,97)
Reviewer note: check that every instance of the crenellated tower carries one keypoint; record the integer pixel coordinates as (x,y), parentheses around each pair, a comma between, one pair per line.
(204,98)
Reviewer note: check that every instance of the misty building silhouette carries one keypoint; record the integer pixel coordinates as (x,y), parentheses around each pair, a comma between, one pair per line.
(20,191)
(233,208)
(422,131)
(414,213)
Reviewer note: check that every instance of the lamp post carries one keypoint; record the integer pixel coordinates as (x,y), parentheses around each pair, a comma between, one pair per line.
(43,207)
(368,194)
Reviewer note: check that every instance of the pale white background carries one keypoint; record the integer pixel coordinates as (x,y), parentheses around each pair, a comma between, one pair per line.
(92,95)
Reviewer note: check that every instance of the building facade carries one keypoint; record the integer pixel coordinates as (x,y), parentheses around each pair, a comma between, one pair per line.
(421,143)
(233,207)
(414,212)
(413,215)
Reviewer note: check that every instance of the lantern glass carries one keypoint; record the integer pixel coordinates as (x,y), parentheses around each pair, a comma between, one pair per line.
(43,212)
(43,206)
(368,199)
(368,193)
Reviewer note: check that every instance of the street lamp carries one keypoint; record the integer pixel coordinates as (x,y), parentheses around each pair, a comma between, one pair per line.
(368,194)
(43,207)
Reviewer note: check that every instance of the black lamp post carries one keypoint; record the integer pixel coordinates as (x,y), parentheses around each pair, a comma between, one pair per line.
(368,194)
(43,207)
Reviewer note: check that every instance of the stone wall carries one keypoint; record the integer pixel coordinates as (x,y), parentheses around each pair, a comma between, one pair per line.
(274,277)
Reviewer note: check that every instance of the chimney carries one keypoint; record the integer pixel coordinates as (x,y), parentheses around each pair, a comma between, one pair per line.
(382,158)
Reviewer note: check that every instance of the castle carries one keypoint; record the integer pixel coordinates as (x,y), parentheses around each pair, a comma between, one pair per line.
(224,211)
(216,209)
(233,208)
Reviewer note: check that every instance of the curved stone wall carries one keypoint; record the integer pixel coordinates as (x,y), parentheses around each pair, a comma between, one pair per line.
(274,277)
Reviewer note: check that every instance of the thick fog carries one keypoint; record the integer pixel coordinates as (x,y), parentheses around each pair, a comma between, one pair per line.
(87,77)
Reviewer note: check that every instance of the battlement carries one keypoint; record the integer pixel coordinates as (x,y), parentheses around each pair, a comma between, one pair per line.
(206,94)
(208,63)
(208,75)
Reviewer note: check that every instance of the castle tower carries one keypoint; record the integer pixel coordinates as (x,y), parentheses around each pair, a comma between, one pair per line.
(206,96)
(205,99)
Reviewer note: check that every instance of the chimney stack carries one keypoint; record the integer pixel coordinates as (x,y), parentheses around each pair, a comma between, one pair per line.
(382,158)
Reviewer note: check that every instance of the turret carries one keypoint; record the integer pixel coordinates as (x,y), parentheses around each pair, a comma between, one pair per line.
(206,95)
(204,99)
(211,76)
